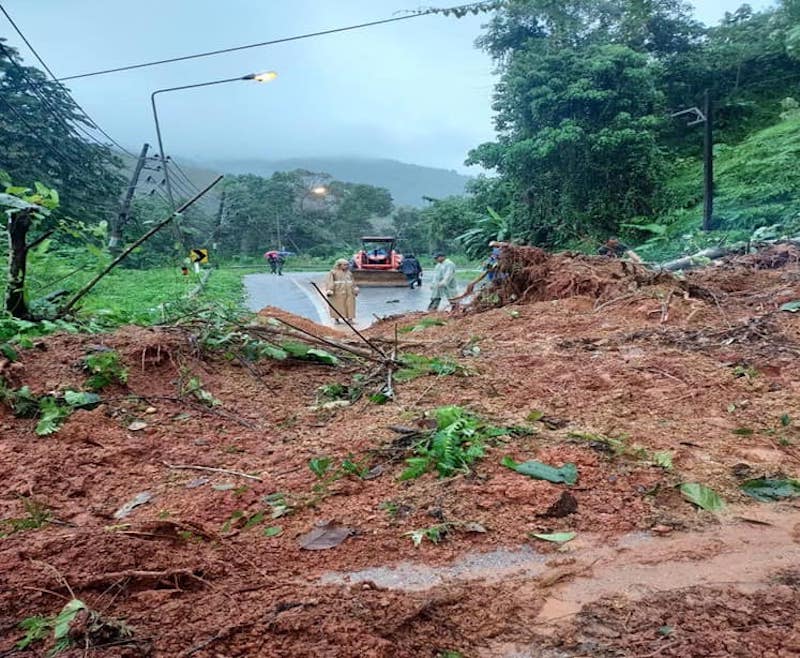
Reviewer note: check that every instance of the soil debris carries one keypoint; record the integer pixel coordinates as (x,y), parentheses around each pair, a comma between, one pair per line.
(641,380)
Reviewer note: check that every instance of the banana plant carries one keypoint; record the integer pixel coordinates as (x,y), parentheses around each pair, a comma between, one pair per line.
(490,227)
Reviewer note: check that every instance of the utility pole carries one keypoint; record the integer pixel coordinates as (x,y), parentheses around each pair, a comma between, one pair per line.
(220,218)
(708,164)
(124,212)
(706,117)
(173,215)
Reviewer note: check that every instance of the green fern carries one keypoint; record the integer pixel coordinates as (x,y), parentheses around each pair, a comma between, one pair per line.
(51,416)
(36,628)
(457,442)
(417,466)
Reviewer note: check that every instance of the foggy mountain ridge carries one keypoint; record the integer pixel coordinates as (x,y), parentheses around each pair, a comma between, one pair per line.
(408,183)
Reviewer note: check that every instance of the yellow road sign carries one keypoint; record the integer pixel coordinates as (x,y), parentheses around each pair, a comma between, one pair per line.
(198,255)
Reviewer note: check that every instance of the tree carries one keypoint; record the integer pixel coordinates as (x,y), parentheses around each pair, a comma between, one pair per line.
(577,138)
(409,230)
(584,141)
(41,139)
(299,209)
(445,219)
(24,206)
(356,204)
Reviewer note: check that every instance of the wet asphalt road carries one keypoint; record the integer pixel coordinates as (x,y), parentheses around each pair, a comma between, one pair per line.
(293,292)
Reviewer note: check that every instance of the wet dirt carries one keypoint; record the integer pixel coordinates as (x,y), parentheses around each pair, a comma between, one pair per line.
(709,379)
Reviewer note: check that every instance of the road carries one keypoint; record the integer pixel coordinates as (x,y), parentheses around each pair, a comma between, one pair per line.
(293,292)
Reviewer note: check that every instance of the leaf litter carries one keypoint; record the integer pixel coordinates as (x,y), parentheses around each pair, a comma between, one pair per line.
(569,353)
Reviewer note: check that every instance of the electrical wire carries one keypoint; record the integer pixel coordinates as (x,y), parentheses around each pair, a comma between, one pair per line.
(69,123)
(182,173)
(65,160)
(475,6)
(66,91)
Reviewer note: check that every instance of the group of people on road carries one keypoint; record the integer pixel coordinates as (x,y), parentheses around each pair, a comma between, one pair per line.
(341,290)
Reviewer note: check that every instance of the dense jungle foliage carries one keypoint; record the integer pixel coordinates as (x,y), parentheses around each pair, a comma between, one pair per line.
(586,147)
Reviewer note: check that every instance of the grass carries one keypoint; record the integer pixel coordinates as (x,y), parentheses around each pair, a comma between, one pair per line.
(127,296)
(138,296)
(757,185)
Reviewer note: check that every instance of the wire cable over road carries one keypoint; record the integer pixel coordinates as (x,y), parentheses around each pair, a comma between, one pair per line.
(460,10)
(41,61)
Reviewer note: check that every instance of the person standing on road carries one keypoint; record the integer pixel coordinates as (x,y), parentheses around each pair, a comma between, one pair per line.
(412,269)
(443,283)
(279,261)
(341,291)
(272,259)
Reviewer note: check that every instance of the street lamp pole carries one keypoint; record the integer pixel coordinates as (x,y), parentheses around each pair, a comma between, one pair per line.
(257,77)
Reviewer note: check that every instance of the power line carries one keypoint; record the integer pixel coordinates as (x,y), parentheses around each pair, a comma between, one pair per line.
(48,105)
(52,75)
(472,7)
(62,157)
(182,173)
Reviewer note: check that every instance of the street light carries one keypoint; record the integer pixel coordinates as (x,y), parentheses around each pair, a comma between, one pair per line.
(267,76)
(317,191)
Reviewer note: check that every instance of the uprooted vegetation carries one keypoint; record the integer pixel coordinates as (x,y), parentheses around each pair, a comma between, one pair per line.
(209,492)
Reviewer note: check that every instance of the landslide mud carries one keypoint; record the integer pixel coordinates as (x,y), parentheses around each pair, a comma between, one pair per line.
(704,369)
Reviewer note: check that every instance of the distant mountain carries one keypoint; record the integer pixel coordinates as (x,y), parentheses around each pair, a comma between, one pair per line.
(408,183)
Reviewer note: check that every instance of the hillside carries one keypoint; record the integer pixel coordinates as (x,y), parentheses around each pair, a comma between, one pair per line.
(757,185)
(408,183)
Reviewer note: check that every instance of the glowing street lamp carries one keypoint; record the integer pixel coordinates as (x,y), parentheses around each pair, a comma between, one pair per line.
(266,76)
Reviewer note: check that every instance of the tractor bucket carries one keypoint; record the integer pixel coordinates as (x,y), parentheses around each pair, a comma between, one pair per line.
(379,278)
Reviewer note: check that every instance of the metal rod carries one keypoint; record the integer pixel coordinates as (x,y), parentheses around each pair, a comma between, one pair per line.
(347,322)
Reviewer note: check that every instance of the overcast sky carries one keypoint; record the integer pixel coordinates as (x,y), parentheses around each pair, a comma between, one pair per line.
(416,90)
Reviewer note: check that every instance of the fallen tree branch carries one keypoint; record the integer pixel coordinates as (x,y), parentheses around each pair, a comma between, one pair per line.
(116,576)
(211,469)
(347,322)
(302,334)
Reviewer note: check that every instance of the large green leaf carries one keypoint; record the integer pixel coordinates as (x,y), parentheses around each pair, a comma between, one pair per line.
(769,489)
(792,307)
(79,399)
(567,474)
(556,537)
(702,496)
(64,619)
(322,356)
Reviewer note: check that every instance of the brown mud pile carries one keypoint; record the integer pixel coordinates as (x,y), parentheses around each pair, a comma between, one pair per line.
(604,365)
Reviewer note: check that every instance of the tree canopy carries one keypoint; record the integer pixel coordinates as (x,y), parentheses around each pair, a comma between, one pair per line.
(45,137)
(585,139)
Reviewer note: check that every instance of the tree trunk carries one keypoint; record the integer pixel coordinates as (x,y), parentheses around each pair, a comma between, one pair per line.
(18,225)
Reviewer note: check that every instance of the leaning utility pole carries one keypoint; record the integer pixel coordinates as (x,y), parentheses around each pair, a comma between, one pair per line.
(708,164)
(705,116)
(173,215)
(125,210)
